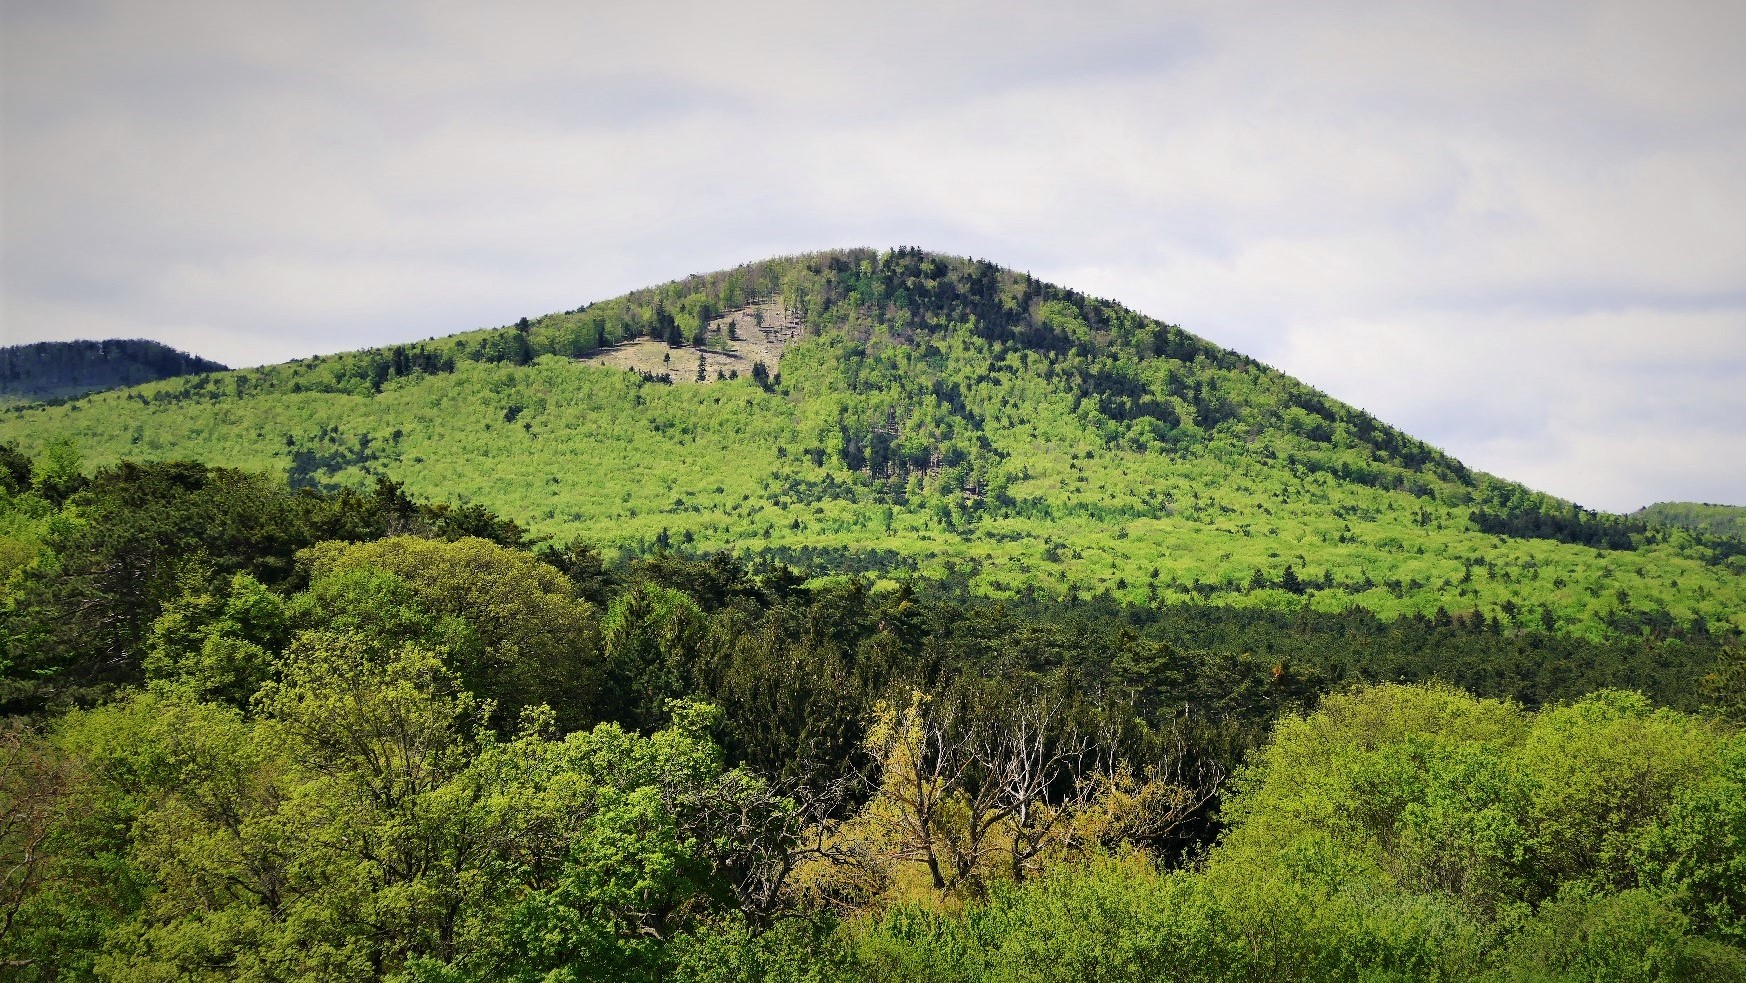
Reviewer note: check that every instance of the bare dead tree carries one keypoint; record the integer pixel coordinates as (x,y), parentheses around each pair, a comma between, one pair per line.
(964,784)
(924,764)
(1174,789)
(1038,762)
(970,791)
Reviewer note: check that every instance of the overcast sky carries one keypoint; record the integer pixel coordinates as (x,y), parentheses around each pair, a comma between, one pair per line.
(1517,230)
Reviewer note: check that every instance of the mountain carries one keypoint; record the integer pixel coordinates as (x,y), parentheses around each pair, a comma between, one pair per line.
(63,369)
(906,413)
(1712,520)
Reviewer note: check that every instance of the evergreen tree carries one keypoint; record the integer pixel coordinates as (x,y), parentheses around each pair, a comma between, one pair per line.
(1289,581)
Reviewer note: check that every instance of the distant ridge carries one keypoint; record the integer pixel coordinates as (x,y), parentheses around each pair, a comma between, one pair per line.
(1702,517)
(50,370)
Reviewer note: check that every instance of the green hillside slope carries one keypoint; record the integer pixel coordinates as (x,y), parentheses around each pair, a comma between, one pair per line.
(64,369)
(906,412)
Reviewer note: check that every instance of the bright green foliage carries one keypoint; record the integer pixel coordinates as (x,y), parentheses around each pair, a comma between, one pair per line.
(622,844)
(1307,781)
(946,417)
(1606,770)
(69,798)
(57,473)
(533,641)
(1474,799)
(377,605)
(1402,833)
(319,842)
(1698,852)
(364,823)
(1122,921)
(1453,816)
(1630,936)
(28,523)
(220,647)
(794,950)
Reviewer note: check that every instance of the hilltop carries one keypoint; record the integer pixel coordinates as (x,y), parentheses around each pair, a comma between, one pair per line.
(50,370)
(905,413)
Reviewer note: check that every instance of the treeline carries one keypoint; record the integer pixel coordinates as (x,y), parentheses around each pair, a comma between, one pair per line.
(1573,525)
(65,369)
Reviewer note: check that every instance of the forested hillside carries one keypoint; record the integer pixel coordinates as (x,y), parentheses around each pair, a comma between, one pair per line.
(252,732)
(907,413)
(64,369)
(1722,521)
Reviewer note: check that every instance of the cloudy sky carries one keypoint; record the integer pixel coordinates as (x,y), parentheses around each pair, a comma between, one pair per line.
(1517,229)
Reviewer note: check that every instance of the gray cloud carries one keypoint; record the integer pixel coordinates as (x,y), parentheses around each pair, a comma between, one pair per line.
(1512,228)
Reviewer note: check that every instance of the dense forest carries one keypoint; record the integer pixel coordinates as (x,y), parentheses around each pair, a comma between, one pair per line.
(851,616)
(51,370)
(261,732)
(905,414)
